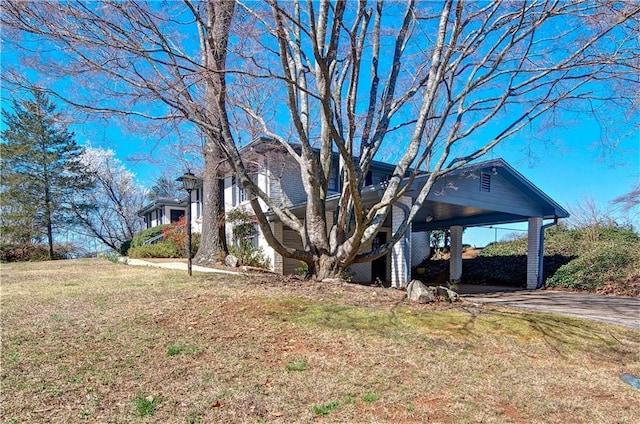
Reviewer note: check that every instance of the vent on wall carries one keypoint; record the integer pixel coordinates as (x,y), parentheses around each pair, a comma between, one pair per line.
(485,182)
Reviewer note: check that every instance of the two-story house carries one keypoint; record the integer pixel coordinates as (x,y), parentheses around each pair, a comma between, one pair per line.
(485,193)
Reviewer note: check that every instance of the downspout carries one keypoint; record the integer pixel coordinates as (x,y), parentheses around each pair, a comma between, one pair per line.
(541,252)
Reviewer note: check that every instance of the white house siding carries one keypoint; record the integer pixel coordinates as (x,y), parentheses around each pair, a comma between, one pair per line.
(420,247)
(401,251)
(361,272)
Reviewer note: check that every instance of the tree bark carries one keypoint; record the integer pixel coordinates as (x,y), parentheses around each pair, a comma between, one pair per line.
(211,238)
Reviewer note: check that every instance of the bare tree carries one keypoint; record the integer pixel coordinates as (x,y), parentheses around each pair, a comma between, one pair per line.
(133,61)
(108,211)
(447,81)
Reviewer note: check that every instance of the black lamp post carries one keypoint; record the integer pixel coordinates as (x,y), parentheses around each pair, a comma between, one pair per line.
(189,183)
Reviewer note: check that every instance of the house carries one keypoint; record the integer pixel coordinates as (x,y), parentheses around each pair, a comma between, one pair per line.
(485,193)
(165,210)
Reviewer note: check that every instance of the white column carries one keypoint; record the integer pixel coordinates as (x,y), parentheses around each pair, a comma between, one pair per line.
(455,262)
(533,252)
(277,262)
(401,251)
(420,247)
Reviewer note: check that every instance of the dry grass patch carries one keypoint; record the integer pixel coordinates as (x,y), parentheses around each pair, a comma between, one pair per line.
(95,341)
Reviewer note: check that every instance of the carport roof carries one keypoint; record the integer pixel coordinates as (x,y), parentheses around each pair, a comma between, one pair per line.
(447,208)
(448,205)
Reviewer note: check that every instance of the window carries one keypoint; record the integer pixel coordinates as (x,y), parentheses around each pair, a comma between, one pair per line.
(373,178)
(334,181)
(485,182)
(176,214)
(198,203)
(241,195)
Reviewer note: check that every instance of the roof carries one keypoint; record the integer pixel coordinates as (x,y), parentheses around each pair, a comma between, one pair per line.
(161,202)
(456,198)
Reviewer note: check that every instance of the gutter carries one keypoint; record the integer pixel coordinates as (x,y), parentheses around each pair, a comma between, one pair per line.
(541,251)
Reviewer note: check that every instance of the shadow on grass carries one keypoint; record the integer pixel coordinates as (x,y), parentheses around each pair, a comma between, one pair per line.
(561,334)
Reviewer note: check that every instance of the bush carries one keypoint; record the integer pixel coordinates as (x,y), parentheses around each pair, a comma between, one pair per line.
(149,233)
(173,244)
(124,248)
(249,255)
(24,252)
(164,249)
(243,225)
(605,264)
(176,233)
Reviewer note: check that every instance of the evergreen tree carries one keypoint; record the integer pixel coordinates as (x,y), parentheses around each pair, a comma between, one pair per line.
(41,172)
(165,187)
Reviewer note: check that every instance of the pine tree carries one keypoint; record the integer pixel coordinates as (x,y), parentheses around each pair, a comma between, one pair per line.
(41,172)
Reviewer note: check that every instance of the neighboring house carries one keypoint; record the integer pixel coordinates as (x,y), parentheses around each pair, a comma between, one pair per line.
(486,193)
(165,210)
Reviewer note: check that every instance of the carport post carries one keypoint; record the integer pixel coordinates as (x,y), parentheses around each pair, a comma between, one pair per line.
(533,252)
(455,261)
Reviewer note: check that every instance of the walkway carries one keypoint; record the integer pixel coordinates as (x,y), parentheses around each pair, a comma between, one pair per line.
(177,265)
(611,309)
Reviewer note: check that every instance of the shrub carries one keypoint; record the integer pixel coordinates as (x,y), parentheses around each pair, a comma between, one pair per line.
(173,245)
(149,233)
(243,226)
(23,252)
(164,249)
(250,256)
(176,233)
(609,263)
(124,248)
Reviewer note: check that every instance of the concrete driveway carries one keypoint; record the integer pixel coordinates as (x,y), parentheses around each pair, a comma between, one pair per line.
(611,309)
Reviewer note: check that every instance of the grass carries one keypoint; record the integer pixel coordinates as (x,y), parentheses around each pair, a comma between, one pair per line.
(145,404)
(90,340)
(324,409)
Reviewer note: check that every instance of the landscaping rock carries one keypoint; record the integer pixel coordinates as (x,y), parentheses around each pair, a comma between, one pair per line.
(231,261)
(418,292)
(447,294)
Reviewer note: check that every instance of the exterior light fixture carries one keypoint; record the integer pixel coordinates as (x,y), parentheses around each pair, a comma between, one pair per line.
(189,183)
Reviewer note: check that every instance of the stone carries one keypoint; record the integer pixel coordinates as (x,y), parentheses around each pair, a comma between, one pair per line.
(418,292)
(447,294)
(231,261)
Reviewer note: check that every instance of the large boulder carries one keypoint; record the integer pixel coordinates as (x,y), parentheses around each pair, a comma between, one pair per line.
(418,292)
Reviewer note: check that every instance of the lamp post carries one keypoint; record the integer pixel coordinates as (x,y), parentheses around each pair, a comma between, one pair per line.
(189,183)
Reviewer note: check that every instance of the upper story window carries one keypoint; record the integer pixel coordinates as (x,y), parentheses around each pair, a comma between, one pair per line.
(239,193)
(374,178)
(334,180)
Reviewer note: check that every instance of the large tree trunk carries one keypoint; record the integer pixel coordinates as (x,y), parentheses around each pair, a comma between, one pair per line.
(211,238)
(214,46)
(324,266)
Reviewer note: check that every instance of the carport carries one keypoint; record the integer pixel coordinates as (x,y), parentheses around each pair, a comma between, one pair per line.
(486,193)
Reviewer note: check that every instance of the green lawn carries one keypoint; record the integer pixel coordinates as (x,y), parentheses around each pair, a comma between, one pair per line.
(93,341)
